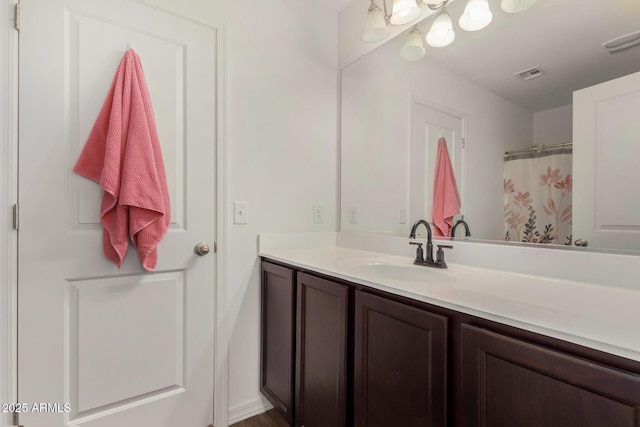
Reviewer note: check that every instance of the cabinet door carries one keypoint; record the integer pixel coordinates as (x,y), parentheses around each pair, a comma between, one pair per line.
(278,328)
(400,364)
(321,353)
(507,382)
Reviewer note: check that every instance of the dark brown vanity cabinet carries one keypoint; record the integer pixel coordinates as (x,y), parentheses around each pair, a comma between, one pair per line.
(277,332)
(304,347)
(340,354)
(400,364)
(509,382)
(321,343)
(359,359)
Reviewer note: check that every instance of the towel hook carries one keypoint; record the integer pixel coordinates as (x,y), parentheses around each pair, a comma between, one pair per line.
(129,45)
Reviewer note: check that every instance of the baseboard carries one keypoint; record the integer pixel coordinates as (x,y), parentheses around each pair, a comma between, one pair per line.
(248,410)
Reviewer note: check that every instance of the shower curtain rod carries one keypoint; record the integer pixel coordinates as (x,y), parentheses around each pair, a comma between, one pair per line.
(538,148)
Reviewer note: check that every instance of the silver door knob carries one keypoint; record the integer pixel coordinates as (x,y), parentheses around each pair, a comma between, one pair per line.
(581,242)
(202,249)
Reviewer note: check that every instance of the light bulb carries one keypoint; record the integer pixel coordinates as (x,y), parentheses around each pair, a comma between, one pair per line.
(476,16)
(515,6)
(441,33)
(413,49)
(404,11)
(375,27)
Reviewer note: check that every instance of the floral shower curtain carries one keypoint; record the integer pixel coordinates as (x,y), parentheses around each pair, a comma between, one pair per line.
(537,197)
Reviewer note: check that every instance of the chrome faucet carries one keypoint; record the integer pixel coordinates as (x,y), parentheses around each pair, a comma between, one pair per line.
(428,262)
(467,233)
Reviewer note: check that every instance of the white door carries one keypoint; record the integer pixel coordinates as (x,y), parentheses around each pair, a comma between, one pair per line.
(102,346)
(428,124)
(606,172)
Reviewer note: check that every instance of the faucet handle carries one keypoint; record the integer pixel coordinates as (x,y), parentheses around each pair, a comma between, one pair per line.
(440,255)
(419,253)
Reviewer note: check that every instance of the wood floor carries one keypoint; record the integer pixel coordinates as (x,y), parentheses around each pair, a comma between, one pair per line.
(268,419)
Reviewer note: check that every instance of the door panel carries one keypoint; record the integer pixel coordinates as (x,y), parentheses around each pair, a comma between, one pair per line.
(605,151)
(428,124)
(145,304)
(121,346)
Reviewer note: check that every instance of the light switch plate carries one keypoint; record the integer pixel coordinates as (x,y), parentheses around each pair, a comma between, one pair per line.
(240,213)
(402,216)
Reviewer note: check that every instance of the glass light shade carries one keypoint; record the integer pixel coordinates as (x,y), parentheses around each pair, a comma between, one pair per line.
(441,33)
(404,11)
(413,48)
(476,15)
(375,27)
(515,6)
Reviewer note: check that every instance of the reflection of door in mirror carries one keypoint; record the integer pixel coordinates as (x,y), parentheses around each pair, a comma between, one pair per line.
(606,171)
(428,124)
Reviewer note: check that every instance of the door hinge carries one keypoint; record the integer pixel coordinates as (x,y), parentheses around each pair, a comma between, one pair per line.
(16,420)
(16,16)
(16,217)
(464,142)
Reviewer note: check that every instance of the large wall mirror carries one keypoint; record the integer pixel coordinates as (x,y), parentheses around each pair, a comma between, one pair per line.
(394,112)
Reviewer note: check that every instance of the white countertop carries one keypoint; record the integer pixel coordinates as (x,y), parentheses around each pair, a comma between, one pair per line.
(602,317)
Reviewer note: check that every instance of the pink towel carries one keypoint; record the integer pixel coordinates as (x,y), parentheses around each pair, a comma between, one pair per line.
(446,201)
(123,155)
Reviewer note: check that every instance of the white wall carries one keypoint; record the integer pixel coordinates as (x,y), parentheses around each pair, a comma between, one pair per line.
(553,126)
(281,133)
(375,140)
(282,150)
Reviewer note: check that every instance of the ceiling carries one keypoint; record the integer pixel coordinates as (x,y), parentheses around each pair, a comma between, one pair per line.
(562,37)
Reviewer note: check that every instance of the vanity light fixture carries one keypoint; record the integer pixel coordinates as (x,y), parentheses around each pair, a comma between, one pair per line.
(413,48)
(441,33)
(476,16)
(404,11)
(515,6)
(375,28)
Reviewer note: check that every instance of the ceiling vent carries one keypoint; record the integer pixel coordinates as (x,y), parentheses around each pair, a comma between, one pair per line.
(528,74)
(623,42)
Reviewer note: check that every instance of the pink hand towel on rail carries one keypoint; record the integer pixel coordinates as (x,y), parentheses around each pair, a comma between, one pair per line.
(446,200)
(123,155)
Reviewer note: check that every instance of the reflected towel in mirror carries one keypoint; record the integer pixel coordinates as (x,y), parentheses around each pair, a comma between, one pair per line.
(446,200)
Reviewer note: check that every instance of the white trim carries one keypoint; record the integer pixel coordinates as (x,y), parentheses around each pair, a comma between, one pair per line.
(8,196)
(248,410)
(221,357)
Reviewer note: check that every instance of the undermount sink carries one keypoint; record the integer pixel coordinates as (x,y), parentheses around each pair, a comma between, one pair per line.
(399,272)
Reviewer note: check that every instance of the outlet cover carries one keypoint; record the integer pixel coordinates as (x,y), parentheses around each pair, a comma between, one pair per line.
(318,214)
(352,215)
